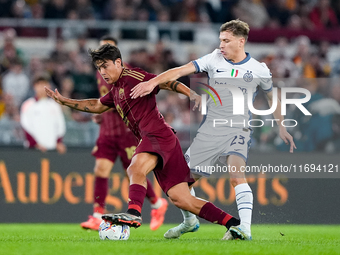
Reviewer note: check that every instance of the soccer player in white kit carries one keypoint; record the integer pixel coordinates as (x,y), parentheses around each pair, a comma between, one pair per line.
(229,65)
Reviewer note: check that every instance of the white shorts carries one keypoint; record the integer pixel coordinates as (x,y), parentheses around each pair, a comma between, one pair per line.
(206,150)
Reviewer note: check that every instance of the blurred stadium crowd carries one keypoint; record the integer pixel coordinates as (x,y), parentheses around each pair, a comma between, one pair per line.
(308,65)
(305,14)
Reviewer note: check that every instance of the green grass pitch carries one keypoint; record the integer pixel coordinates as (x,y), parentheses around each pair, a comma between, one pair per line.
(71,239)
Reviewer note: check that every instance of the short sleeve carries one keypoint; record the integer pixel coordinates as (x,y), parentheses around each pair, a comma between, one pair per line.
(266,82)
(107,100)
(203,64)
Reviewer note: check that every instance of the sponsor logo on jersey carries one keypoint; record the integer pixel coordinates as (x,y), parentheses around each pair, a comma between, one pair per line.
(220,71)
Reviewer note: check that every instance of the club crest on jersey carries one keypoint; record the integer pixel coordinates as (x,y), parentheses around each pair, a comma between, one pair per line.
(121,93)
(248,76)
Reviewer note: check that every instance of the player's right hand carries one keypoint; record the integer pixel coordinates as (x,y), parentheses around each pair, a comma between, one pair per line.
(55,95)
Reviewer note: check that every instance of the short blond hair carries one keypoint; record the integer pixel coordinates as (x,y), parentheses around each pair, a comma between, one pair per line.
(236,27)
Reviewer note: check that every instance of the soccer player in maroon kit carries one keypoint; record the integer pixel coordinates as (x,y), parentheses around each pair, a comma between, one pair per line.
(158,150)
(115,139)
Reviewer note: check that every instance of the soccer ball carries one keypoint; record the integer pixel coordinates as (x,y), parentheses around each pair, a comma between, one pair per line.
(108,231)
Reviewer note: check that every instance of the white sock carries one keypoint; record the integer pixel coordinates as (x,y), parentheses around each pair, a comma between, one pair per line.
(157,204)
(97,215)
(244,201)
(188,216)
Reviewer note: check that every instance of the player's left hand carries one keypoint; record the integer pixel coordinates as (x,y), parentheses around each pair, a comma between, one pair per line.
(142,89)
(196,99)
(287,138)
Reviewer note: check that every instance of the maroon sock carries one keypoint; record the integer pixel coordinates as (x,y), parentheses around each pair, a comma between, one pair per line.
(213,214)
(100,190)
(150,193)
(136,198)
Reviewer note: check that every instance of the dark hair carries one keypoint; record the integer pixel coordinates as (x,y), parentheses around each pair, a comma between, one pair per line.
(108,38)
(237,27)
(41,78)
(104,53)
(16,61)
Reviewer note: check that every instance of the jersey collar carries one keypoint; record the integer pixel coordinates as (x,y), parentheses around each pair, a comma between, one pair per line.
(241,62)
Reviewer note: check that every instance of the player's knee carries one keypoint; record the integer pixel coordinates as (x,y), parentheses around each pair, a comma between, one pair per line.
(129,172)
(103,168)
(101,171)
(134,172)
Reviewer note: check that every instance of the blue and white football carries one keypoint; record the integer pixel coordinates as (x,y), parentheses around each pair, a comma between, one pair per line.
(108,231)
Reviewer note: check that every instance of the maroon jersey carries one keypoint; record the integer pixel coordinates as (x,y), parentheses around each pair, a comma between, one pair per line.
(141,115)
(112,124)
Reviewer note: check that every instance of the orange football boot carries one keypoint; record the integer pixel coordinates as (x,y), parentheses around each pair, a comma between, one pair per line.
(92,223)
(157,215)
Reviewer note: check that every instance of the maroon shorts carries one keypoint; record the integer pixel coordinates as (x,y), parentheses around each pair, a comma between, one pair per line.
(110,147)
(174,169)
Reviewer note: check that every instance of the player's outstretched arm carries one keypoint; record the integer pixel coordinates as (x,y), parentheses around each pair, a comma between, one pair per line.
(179,87)
(145,88)
(283,133)
(86,105)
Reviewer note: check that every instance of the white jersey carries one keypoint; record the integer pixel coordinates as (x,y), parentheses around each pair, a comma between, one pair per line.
(247,76)
(43,120)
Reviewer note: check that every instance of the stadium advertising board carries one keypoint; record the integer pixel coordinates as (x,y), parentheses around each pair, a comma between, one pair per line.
(48,187)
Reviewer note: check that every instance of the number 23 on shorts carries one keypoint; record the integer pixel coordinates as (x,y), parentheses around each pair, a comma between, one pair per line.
(240,140)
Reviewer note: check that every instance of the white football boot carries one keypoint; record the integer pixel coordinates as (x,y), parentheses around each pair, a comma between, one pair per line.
(228,236)
(240,232)
(181,229)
